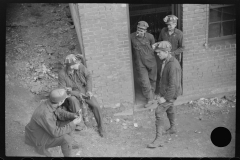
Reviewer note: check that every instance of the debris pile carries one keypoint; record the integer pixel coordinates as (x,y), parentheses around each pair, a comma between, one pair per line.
(210,105)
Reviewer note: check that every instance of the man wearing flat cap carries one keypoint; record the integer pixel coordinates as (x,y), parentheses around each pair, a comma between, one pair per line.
(50,126)
(172,35)
(78,80)
(145,62)
(170,88)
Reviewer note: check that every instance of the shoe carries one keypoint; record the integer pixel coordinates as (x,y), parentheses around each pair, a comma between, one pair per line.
(158,142)
(150,103)
(171,130)
(47,153)
(88,124)
(80,127)
(102,132)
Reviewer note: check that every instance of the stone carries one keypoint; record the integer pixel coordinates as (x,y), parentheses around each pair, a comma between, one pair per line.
(135,125)
(49,50)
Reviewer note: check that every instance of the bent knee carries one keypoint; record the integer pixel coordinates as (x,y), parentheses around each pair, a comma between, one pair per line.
(67,138)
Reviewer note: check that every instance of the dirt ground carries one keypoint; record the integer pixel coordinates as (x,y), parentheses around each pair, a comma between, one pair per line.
(41,35)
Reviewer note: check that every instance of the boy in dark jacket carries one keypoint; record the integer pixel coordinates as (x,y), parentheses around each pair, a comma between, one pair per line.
(170,89)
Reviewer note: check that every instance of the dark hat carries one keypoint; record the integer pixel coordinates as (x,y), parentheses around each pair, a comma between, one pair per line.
(143,24)
(170,19)
(58,95)
(163,46)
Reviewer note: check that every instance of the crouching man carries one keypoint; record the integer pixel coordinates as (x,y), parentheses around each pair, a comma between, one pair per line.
(50,126)
(170,89)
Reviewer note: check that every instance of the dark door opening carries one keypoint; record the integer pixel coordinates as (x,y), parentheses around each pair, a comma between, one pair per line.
(153,14)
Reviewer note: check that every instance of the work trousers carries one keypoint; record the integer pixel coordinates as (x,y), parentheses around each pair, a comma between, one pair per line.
(64,141)
(161,109)
(74,106)
(147,78)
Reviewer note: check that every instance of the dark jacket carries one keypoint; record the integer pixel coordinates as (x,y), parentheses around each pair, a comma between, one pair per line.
(43,125)
(80,81)
(176,39)
(170,82)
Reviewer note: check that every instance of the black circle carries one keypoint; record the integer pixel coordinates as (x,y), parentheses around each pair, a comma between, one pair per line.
(221,137)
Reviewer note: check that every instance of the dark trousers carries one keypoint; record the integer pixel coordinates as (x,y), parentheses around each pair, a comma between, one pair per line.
(147,78)
(64,141)
(161,109)
(74,106)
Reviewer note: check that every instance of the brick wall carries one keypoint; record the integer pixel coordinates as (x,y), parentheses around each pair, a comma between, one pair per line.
(107,50)
(206,70)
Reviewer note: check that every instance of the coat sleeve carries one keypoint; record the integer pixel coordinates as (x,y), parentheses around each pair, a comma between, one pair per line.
(61,80)
(151,39)
(50,125)
(160,38)
(88,77)
(180,46)
(64,115)
(171,90)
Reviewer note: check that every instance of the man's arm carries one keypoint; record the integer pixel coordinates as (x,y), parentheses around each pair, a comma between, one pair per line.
(49,124)
(160,38)
(180,48)
(64,115)
(151,39)
(88,77)
(170,90)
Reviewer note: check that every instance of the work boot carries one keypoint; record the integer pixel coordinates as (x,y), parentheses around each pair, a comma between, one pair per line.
(150,103)
(158,141)
(101,132)
(47,153)
(172,129)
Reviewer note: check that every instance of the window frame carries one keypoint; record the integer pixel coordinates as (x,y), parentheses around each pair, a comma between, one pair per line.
(222,38)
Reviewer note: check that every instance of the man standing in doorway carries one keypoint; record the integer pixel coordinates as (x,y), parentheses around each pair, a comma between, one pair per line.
(172,35)
(170,89)
(145,62)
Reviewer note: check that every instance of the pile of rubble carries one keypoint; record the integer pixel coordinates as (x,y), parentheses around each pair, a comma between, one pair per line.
(211,105)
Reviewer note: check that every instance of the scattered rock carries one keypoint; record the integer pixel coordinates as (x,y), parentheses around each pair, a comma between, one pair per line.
(125,127)
(117,120)
(49,50)
(135,125)
(72,27)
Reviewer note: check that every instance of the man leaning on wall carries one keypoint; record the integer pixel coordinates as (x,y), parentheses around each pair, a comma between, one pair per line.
(145,62)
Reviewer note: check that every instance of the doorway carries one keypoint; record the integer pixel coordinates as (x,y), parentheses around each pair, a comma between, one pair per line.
(153,14)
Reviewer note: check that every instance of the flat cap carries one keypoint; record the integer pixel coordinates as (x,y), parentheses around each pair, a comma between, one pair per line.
(143,24)
(163,46)
(73,58)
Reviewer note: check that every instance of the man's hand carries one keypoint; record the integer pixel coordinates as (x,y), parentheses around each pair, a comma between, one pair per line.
(77,120)
(154,45)
(161,100)
(89,94)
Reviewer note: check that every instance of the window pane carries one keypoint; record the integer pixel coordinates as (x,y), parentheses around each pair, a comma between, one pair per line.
(214,30)
(215,15)
(228,28)
(229,13)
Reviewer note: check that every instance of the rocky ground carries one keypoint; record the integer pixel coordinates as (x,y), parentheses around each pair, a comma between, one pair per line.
(38,37)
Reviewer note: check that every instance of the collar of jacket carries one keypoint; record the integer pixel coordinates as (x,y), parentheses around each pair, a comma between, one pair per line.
(50,106)
(142,37)
(168,59)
